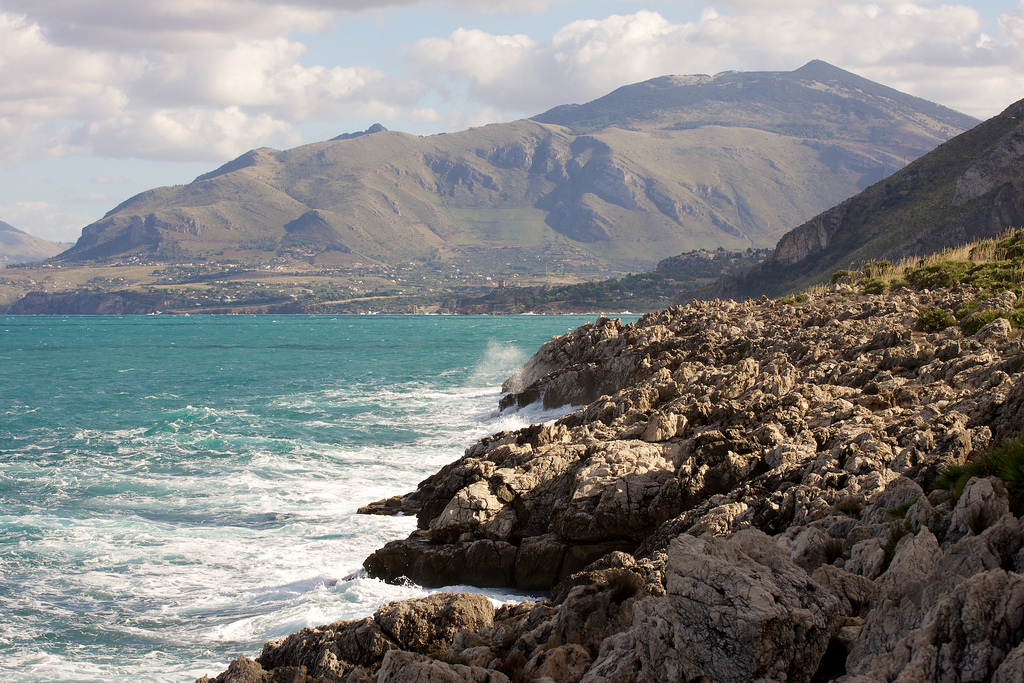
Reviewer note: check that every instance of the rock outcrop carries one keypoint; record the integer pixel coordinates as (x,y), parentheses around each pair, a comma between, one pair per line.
(744,494)
(967,189)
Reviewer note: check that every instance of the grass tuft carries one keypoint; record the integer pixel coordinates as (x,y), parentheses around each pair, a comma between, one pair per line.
(1004,461)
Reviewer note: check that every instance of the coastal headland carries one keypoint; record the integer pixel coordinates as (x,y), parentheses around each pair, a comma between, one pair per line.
(804,489)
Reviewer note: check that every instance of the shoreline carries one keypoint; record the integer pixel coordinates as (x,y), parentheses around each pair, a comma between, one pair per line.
(783,454)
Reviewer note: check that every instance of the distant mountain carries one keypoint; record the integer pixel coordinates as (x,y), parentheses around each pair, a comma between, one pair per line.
(651,170)
(968,189)
(20,247)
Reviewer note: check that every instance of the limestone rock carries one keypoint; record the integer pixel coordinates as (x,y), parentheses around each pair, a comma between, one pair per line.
(968,635)
(744,493)
(425,625)
(409,667)
(736,609)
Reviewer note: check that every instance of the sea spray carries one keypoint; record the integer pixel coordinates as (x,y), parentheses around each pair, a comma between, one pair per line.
(176,491)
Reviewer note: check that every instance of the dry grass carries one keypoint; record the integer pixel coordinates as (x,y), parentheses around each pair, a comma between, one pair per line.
(976,254)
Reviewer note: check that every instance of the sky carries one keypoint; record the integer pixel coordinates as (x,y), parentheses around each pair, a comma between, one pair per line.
(103,99)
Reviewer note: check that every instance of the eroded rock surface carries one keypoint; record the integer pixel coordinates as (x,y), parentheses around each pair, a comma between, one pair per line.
(744,494)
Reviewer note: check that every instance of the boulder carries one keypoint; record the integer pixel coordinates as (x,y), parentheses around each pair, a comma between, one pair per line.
(409,667)
(737,609)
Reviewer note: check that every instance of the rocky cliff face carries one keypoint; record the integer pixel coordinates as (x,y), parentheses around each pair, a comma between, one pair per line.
(968,189)
(745,493)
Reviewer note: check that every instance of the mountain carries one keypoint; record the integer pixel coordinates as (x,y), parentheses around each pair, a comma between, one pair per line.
(20,247)
(658,168)
(967,189)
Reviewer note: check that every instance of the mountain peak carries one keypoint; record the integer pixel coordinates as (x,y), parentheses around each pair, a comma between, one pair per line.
(375,128)
(818,68)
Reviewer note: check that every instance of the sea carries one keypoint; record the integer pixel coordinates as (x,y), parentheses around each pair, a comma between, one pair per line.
(177,490)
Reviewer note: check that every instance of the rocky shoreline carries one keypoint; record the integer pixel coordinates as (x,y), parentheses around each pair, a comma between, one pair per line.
(747,492)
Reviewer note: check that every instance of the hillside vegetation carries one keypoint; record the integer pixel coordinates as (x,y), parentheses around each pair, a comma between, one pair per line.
(990,274)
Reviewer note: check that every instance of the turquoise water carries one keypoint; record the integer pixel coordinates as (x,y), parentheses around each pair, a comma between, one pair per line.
(175,491)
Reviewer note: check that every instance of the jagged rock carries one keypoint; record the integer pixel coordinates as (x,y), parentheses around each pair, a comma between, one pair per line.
(425,625)
(855,593)
(745,492)
(409,667)
(1010,670)
(563,663)
(977,509)
(736,609)
(966,636)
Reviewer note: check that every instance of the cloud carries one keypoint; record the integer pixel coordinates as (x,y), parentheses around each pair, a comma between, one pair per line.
(210,103)
(940,53)
(130,25)
(134,25)
(43,219)
(208,79)
(185,134)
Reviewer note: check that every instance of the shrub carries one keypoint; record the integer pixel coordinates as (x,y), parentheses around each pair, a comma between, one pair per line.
(873,285)
(941,274)
(839,275)
(1007,463)
(876,268)
(1004,461)
(898,283)
(933,320)
(900,511)
(898,530)
(977,321)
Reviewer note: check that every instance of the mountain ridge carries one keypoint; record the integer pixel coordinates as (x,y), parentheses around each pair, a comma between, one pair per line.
(967,189)
(18,246)
(541,196)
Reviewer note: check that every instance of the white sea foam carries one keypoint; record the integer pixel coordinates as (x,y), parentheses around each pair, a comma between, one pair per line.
(156,538)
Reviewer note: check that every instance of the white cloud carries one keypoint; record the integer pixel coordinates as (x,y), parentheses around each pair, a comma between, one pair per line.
(133,25)
(186,134)
(208,79)
(43,219)
(211,103)
(939,53)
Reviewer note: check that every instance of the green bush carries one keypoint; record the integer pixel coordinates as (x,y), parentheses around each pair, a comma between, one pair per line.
(977,321)
(876,268)
(1004,461)
(900,511)
(942,274)
(934,320)
(873,285)
(839,275)
(1011,247)
(996,276)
